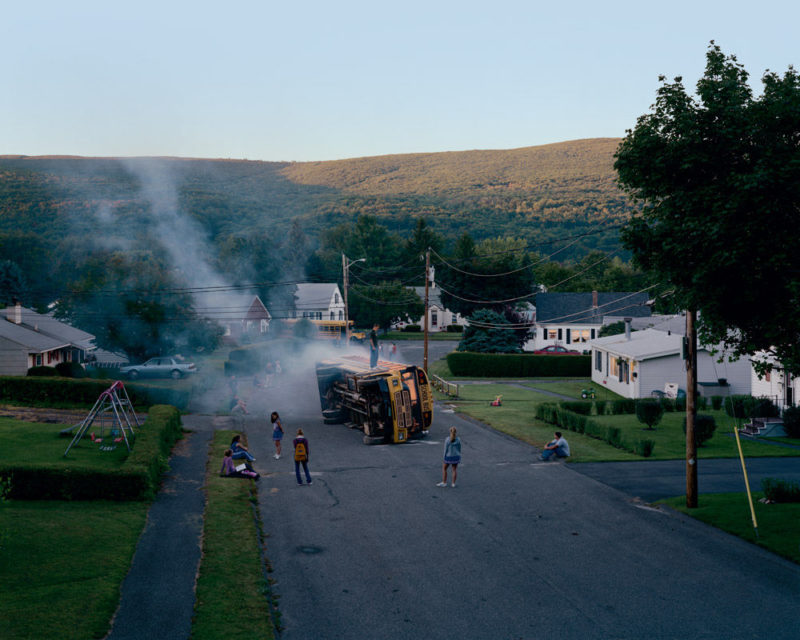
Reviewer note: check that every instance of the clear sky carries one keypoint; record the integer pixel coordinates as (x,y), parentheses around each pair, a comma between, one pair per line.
(311,80)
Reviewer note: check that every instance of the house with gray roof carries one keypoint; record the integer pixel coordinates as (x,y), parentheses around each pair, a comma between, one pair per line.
(318,301)
(574,319)
(637,363)
(439,316)
(253,323)
(30,339)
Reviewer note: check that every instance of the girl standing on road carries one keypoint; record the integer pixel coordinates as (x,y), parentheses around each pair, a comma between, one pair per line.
(277,433)
(452,456)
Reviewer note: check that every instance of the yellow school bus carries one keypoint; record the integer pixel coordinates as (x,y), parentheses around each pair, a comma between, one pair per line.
(326,329)
(389,403)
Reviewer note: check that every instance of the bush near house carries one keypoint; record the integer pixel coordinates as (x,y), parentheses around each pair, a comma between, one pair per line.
(57,391)
(776,490)
(704,427)
(411,328)
(42,371)
(649,411)
(791,421)
(745,407)
(517,365)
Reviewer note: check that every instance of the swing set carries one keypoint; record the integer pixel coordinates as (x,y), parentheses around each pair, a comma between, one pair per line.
(112,417)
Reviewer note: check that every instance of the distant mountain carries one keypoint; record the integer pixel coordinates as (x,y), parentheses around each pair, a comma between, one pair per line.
(539,193)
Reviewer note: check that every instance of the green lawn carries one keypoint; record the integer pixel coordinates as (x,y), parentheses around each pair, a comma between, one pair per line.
(574,388)
(62,565)
(35,442)
(231,588)
(778,524)
(671,441)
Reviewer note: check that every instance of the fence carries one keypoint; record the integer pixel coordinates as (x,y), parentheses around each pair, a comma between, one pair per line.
(448,388)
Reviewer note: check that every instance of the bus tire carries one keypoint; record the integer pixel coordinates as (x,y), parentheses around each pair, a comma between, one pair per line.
(373,439)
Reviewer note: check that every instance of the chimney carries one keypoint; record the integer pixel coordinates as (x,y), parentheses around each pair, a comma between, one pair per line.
(14,314)
(627,328)
(594,299)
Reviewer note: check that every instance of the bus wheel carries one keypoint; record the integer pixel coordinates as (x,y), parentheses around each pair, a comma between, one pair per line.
(373,439)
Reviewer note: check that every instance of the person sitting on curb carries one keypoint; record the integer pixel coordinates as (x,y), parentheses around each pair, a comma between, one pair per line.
(228,469)
(239,450)
(558,447)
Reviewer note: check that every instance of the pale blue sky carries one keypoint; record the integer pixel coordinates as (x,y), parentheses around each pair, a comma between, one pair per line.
(308,80)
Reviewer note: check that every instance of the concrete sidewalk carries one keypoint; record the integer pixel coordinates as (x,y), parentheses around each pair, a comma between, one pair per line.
(158,593)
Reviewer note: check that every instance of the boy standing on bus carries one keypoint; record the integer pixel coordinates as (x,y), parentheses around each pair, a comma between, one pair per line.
(373,347)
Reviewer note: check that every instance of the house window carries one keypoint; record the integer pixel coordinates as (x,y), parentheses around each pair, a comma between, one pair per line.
(580,335)
(569,336)
(333,315)
(560,333)
(552,334)
(593,334)
(341,314)
(598,360)
(613,366)
(264,326)
(38,359)
(768,377)
(335,299)
(434,319)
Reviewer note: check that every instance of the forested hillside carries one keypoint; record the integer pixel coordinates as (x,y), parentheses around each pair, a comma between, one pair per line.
(537,193)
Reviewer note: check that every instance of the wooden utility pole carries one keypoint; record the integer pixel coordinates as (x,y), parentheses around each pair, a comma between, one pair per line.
(691,408)
(427,284)
(346,313)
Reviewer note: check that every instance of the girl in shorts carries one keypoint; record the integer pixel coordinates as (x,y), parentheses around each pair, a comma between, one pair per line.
(452,456)
(277,433)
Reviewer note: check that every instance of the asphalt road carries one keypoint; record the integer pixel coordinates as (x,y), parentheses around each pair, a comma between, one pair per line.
(520,549)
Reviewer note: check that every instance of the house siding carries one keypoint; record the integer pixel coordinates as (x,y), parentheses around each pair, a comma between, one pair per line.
(15,359)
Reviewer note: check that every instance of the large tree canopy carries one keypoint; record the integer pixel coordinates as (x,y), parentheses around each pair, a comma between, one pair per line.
(717,178)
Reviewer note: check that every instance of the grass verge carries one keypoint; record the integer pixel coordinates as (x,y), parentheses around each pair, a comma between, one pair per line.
(231,584)
(778,524)
(62,565)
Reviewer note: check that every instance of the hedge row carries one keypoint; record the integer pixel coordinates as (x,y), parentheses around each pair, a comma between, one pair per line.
(136,479)
(561,416)
(518,365)
(52,391)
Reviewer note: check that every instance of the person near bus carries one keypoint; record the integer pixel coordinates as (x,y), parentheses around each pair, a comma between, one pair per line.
(452,456)
(301,457)
(373,346)
(277,433)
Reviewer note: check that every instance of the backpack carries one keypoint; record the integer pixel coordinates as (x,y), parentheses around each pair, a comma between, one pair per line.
(300,454)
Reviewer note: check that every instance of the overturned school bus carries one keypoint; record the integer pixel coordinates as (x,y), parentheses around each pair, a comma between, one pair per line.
(390,403)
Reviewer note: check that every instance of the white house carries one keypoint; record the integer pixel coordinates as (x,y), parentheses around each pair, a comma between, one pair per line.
(635,364)
(439,316)
(778,385)
(575,319)
(318,301)
(30,339)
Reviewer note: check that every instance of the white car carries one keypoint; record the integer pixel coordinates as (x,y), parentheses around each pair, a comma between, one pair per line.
(162,367)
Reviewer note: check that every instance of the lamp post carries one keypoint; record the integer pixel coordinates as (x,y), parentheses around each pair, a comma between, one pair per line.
(346,264)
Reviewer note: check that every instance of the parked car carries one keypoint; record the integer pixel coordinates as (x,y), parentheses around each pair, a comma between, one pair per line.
(162,367)
(556,350)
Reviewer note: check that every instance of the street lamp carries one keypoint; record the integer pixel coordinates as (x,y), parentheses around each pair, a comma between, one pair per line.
(345,277)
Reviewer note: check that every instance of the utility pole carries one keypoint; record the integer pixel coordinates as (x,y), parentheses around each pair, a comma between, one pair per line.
(427,284)
(346,284)
(691,408)
(346,315)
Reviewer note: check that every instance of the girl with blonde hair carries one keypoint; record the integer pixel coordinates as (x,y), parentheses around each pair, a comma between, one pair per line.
(452,456)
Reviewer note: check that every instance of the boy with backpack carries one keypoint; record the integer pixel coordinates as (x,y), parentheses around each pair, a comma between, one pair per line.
(301,457)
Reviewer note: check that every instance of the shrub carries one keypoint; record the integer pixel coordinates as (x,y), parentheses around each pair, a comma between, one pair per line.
(704,427)
(412,328)
(70,370)
(512,365)
(649,411)
(623,406)
(743,406)
(43,372)
(716,402)
(614,437)
(763,408)
(454,328)
(583,408)
(781,490)
(791,421)
(644,448)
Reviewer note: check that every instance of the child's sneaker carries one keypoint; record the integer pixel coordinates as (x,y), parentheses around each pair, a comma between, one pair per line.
(453,485)
(441,484)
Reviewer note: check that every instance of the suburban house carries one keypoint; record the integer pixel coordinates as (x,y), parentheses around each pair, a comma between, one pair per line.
(778,385)
(439,317)
(30,339)
(574,319)
(634,364)
(254,322)
(318,301)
